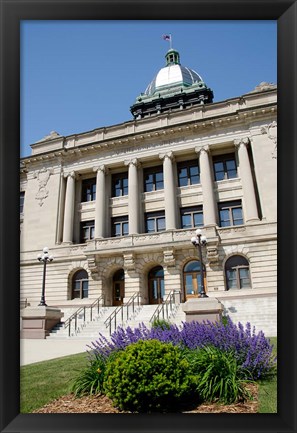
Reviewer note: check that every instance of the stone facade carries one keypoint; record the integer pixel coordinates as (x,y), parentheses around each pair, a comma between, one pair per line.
(53,181)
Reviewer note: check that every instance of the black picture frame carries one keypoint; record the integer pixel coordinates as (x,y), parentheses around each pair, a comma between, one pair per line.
(12,12)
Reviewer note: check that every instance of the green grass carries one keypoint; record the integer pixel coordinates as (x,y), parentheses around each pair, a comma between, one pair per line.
(268,390)
(45,381)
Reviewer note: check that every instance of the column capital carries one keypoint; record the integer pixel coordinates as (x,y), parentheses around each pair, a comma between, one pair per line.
(241,141)
(132,161)
(102,168)
(71,174)
(199,149)
(167,155)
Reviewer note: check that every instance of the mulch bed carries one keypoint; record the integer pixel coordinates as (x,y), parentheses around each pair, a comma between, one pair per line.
(102,404)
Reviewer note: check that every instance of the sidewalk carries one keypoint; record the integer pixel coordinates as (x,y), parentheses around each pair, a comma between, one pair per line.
(36,350)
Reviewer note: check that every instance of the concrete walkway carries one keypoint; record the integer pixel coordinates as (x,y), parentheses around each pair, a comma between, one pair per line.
(35,350)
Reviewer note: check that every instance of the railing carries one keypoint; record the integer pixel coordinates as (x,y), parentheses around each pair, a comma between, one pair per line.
(74,316)
(121,313)
(164,310)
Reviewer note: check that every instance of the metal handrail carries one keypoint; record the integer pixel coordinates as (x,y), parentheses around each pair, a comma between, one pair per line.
(96,303)
(166,307)
(112,319)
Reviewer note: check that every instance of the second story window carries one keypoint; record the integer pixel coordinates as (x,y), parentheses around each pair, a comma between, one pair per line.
(120,226)
(87,231)
(224,166)
(22,200)
(191,217)
(88,190)
(154,222)
(230,213)
(119,184)
(153,179)
(188,173)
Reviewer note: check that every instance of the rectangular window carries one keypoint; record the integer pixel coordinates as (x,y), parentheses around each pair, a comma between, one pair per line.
(22,199)
(87,231)
(88,190)
(224,166)
(119,184)
(155,222)
(153,179)
(230,213)
(120,226)
(191,217)
(188,173)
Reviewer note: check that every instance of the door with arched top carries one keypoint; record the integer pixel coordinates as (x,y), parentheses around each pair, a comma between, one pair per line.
(192,279)
(156,286)
(118,287)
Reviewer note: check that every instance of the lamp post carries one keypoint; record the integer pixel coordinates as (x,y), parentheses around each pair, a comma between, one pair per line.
(198,241)
(44,258)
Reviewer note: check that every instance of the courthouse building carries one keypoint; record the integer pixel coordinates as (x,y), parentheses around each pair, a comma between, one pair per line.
(117,206)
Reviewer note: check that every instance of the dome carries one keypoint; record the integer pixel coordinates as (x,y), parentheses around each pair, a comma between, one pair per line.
(173,74)
(174,87)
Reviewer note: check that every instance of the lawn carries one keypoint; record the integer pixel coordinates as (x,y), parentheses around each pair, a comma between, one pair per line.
(45,381)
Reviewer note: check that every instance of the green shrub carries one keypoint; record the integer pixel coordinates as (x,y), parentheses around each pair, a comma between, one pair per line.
(161,323)
(148,376)
(218,376)
(90,380)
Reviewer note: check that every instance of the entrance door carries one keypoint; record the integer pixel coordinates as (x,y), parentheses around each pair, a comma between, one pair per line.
(156,285)
(192,280)
(118,288)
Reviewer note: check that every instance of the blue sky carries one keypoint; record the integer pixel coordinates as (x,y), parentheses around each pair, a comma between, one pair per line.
(81,75)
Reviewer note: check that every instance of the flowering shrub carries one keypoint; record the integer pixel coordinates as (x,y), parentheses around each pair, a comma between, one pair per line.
(148,376)
(253,351)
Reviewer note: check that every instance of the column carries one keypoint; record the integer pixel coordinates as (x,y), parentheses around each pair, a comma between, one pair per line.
(209,205)
(69,208)
(248,188)
(133,196)
(100,212)
(169,191)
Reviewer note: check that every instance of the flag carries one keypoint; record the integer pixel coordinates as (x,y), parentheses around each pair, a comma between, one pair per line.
(167,37)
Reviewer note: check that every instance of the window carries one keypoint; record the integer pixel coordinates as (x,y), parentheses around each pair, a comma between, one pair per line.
(120,226)
(225,166)
(237,273)
(119,184)
(191,217)
(188,173)
(154,222)
(80,285)
(22,199)
(153,179)
(230,213)
(88,191)
(87,231)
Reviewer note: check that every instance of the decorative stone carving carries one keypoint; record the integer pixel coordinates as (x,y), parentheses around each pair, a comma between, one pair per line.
(263,86)
(212,254)
(241,141)
(166,155)
(51,136)
(199,149)
(169,257)
(43,176)
(102,168)
(132,161)
(129,261)
(92,265)
(271,131)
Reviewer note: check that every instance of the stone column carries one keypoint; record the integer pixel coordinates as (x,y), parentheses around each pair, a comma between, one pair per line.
(251,209)
(169,191)
(100,202)
(133,196)
(69,208)
(209,204)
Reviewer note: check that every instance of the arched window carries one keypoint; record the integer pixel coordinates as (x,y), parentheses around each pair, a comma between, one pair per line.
(192,279)
(156,285)
(80,285)
(237,272)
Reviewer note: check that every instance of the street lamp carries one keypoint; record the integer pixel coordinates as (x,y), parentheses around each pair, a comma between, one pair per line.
(44,258)
(198,241)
